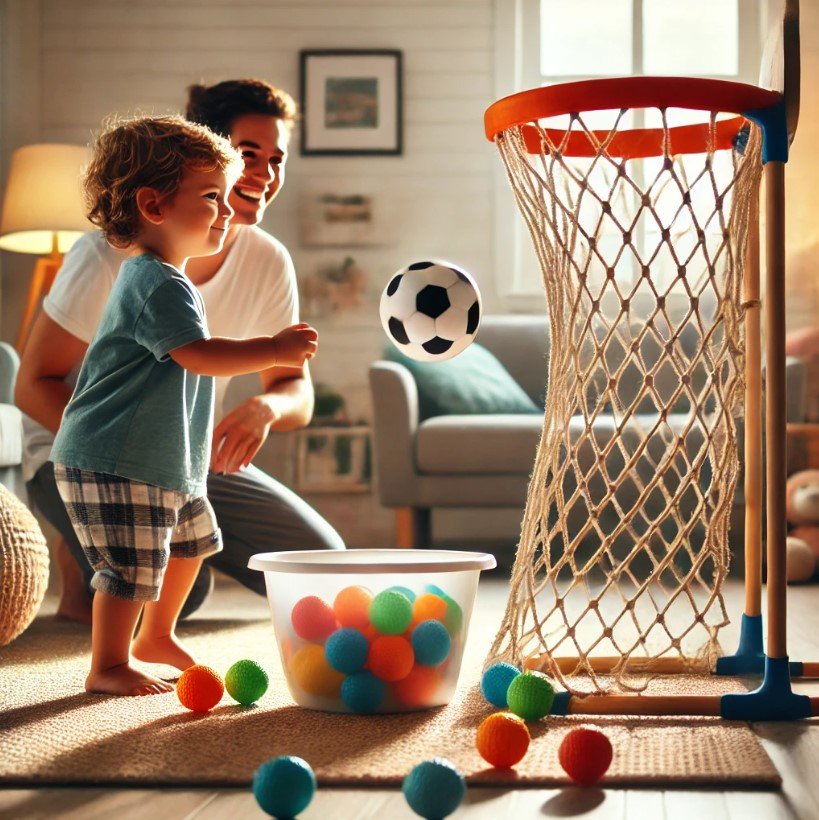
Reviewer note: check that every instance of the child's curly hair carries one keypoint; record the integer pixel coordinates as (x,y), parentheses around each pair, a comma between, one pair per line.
(147,152)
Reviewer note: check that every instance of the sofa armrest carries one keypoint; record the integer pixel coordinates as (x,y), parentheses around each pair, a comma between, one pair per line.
(796,392)
(395,424)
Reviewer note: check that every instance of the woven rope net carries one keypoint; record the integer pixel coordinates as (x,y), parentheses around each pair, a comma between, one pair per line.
(624,541)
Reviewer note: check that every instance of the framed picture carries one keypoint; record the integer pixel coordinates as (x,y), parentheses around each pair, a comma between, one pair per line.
(351,103)
(352,216)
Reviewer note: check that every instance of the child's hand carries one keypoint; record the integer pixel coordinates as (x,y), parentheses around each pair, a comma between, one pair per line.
(296,344)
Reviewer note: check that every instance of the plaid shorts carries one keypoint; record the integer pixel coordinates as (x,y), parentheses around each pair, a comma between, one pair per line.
(128,529)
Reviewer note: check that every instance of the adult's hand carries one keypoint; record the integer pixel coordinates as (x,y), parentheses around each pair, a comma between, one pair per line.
(240,434)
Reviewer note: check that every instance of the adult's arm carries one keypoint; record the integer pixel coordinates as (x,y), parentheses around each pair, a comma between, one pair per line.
(285,403)
(49,355)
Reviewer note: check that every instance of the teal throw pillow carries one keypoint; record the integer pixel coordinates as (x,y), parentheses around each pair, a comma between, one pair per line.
(472,383)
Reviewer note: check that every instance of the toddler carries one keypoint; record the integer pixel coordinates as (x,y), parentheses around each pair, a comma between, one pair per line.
(133,448)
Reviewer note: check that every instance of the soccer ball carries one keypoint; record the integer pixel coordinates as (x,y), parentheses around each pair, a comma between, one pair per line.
(431,310)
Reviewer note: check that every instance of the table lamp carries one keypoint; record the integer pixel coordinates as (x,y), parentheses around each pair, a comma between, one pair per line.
(43,213)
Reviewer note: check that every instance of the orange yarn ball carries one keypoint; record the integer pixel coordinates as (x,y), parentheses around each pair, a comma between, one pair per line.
(502,740)
(352,607)
(585,755)
(310,670)
(429,607)
(312,619)
(419,687)
(199,688)
(391,657)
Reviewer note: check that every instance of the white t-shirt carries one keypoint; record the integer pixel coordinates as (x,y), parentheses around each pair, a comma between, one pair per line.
(253,294)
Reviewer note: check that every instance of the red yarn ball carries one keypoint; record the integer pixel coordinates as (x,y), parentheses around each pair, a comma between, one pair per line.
(585,755)
(312,619)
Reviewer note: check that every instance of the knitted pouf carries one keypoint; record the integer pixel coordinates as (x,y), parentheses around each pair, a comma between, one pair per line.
(23,566)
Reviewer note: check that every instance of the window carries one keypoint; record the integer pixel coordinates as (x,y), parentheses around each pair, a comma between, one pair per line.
(541,42)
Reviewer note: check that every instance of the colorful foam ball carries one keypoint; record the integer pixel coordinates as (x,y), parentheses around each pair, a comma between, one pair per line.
(346,650)
(430,643)
(435,590)
(199,688)
(454,618)
(363,692)
(284,786)
(404,591)
(246,682)
(391,612)
(495,683)
(390,657)
(352,607)
(313,619)
(434,788)
(429,607)
(530,695)
(502,740)
(418,689)
(585,755)
(311,671)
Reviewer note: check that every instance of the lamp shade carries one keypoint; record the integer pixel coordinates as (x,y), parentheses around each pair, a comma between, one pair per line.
(44,198)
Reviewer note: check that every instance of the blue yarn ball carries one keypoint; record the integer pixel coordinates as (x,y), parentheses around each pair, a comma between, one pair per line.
(284,786)
(495,683)
(434,788)
(346,650)
(363,692)
(404,591)
(435,590)
(430,642)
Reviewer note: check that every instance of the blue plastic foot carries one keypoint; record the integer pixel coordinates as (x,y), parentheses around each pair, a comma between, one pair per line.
(749,659)
(560,705)
(773,700)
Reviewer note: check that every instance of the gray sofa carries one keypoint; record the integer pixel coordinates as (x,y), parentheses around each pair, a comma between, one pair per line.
(483,461)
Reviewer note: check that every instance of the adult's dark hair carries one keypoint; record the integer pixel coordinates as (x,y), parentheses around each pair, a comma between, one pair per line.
(218,106)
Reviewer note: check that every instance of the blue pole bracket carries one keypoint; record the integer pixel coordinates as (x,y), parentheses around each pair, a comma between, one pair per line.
(773,700)
(774,125)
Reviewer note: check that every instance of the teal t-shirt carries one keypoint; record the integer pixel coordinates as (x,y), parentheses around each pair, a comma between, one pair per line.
(135,412)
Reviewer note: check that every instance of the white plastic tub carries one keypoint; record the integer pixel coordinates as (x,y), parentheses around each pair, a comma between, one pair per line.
(438,585)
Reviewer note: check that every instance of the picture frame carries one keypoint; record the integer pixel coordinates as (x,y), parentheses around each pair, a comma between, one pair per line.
(351,102)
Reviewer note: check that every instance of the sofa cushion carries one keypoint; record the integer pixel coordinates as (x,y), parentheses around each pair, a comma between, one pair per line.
(484,445)
(507,444)
(472,383)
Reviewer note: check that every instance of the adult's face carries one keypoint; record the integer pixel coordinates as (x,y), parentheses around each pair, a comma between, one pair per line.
(263,142)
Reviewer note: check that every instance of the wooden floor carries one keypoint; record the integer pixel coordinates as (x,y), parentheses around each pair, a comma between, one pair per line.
(794,749)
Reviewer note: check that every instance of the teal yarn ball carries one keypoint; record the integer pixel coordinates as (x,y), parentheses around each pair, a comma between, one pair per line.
(495,683)
(346,650)
(284,786)
(434,788)
(391,612)
(363,692)
(246,682)
(404,591)
(430,642)
(530,695)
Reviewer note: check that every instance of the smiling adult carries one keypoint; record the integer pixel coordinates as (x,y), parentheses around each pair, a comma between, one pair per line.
(249,289)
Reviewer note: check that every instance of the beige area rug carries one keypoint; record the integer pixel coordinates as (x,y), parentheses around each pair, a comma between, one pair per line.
(51,732)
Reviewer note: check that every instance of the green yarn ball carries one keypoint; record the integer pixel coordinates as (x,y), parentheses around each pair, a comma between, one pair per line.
(391,612)
(454,618)
(530,695)
(246,682)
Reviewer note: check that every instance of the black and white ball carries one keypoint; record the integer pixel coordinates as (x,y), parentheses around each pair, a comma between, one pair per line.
(431,310)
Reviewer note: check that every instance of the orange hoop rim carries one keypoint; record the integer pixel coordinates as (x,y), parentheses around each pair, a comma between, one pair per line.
(699,94)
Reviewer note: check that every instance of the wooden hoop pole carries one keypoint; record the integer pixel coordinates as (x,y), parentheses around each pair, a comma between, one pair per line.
(775,419)
(645,705)
(665,665)
(753,422)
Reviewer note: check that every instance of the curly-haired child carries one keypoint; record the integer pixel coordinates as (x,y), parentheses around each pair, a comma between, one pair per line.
(132,452)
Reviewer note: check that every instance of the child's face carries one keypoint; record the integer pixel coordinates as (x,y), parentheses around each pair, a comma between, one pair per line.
(197,217)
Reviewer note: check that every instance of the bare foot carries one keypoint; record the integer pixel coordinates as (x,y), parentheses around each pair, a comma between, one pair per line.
(162,649)
(124,680)
(75,602)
